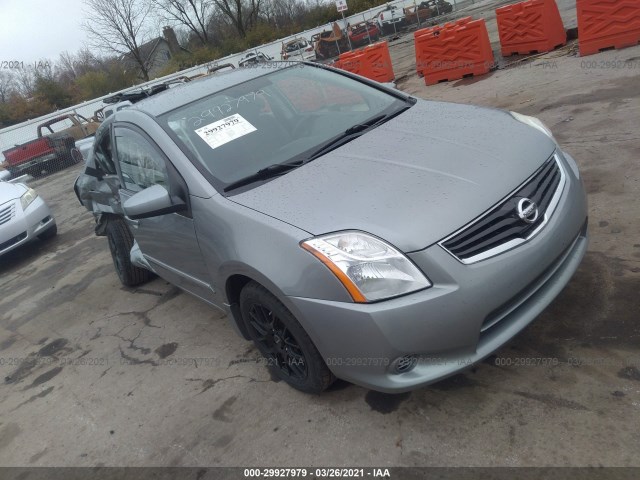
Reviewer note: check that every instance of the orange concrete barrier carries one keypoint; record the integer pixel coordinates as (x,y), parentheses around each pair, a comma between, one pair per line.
(351,62)
(607,24)
(379,65)
(453,51)
(373,62)
(528,27)
(435,30)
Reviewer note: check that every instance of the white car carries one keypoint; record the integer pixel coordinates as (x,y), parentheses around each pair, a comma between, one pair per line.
(297,49)
(254,58)
(390,20)
(24,216)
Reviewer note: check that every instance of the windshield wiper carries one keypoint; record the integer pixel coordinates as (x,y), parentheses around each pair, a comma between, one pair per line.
(349,134)
(354,132)
(359,127)
(334,143)
(264,173)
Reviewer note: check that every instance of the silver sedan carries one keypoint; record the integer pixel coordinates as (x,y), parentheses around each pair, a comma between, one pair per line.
(350,230)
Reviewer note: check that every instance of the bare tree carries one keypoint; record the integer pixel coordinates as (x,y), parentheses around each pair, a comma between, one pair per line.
(119,26)
(66,68)
(7,85)
(25,81)
(193,14)
(243,15)
(183,35)
(283,12)
(69,66)
(86,61)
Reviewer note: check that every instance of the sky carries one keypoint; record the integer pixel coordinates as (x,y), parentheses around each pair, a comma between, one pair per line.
(31,30)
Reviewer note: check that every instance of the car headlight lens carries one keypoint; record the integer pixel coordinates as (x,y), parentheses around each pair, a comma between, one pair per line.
(533,122)
(28,197)
(369,268)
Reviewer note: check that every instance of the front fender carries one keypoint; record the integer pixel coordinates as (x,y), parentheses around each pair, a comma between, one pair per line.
(237,240)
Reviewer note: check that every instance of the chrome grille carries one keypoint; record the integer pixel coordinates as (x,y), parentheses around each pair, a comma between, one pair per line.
(501,228)
(7,212)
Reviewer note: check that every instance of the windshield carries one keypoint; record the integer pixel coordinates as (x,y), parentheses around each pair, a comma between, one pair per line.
(274,118)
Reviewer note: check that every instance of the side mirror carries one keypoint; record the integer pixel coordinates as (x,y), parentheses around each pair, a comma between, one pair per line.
(5,175)
(152,202)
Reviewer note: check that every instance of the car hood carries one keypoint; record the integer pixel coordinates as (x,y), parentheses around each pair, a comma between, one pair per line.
(11,191)
(411,181)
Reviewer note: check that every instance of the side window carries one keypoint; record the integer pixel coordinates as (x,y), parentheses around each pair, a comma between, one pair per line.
(140,162)
(102,154)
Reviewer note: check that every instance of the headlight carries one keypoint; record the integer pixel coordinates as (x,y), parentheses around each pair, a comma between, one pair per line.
(29,196)
(369,268)
(533,122)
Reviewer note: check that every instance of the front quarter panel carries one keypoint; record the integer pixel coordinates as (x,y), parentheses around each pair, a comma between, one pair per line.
(236,240)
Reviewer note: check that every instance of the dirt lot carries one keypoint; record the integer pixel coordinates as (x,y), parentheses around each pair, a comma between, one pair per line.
(97,374)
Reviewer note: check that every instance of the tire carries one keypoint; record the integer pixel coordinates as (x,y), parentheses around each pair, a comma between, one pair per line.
(49,233)
(289,351)
(120,242)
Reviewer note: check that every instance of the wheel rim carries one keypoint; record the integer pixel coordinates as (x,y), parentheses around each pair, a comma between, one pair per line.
(117,261)
(277,342)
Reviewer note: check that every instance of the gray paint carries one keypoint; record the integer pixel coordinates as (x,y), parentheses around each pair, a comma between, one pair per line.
(411,181)
(444,321)
(453,165)
(148,200)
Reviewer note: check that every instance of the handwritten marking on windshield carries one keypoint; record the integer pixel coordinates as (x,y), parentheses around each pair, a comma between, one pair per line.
(224,109)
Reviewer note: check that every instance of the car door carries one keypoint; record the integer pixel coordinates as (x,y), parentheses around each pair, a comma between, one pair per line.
(167,242)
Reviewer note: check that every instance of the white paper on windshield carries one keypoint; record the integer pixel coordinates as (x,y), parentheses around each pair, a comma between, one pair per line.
(224,131)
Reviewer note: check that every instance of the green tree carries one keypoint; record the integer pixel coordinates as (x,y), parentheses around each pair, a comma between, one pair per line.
(92,84)
(50,91)
(20,109)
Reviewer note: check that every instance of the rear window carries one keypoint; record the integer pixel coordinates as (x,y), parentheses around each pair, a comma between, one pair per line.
(292,47)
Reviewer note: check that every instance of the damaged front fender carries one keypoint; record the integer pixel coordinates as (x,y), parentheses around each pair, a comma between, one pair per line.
(99,193)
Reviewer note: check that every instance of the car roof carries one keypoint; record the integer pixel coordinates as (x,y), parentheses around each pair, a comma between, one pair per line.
(188,92)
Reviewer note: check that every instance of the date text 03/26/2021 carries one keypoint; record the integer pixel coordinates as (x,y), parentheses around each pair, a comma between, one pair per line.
(317,473)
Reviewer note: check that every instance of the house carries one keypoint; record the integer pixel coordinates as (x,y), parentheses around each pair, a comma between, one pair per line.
(156,53)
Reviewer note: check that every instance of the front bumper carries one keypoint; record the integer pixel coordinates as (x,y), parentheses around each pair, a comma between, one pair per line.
(470,311)
(26,225)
